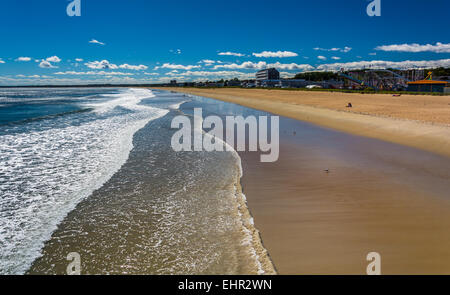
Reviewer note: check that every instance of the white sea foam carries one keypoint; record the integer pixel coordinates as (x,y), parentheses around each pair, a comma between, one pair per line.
(44,174)
(246,219)
(176,106)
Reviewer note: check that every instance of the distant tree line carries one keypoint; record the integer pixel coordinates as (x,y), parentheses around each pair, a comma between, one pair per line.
(317,76)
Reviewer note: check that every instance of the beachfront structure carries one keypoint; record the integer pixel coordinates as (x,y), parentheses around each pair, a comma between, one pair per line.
(268,74)
(427,86)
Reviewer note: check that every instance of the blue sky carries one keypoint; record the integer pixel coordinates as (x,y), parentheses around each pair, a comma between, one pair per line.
(154,41)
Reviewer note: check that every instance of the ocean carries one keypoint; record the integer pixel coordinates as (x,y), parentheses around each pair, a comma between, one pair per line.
(92,171)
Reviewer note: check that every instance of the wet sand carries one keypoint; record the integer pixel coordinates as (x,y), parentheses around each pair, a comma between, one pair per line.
(377,196)
(420,121)
(389,196)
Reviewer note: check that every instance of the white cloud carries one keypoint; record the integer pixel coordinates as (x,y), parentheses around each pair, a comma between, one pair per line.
(380,64)
(78,59)
(106,65)
(208,62)
(132,67)
(373,53)
(279,54)
(93,41)
(322,57)
(211,73)
(335,57)
(244,65)
(151,74)
(101,65)
(31,76)
(23,58)
(94,73)
(337,66)
(202,75)
(176,51)
(286,75)
(53,59)
(177,67)
(47,80)
(291,66)
(263,65)
(345,49)
(1,61)
(231,53)
(438,48)
(46,65)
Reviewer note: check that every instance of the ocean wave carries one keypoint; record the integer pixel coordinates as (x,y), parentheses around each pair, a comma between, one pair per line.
(44,174)
(251,236)
(176,106)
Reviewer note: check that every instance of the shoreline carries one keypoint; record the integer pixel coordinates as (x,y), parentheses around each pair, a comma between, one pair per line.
(429,135)
(379,196)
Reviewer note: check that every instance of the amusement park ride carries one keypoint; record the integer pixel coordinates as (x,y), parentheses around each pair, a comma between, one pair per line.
(383,79)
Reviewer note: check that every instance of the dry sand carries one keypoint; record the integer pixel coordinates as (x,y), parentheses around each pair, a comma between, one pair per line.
(421,121)
(379,196)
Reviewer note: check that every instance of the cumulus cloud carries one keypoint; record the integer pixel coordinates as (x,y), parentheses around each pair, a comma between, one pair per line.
(101,65)
(201,75)
(53,59)
(335,57)
(45,80)
(23,58)
(103,73)
(374,64)
(93,41)
(345,49)
(1,61)
(381,64)
(132,67)
(208,62)
(231,53)
(211,73)
(291,66)
(31,76)
(106,65)
(78,59)
(322,57)
(437,48)
(46,65)
(176,67)
(287,75)
(262,65)
(279,54)
(244,65)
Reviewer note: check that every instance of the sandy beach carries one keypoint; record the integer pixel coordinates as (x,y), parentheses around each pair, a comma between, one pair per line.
(420,121)
(377,196)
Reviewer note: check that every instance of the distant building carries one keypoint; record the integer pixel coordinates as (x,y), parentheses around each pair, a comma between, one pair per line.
(268,74)
(173,82)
